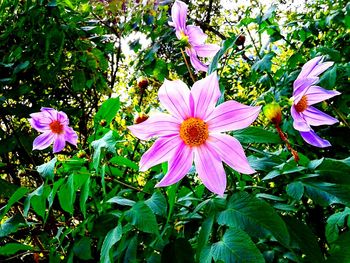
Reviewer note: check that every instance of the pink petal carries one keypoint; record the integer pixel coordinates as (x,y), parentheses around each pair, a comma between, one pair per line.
(309,66)
(174,96)
(230,151)
(210,169)
(39,123)
(299,123)
(70,136)
(178,14)
(207,50)
(50,113)
(178,165)
(232,115)
(320,68)
(196,63)
(157,125)
(317,94)
(312,138)
(205,93)
(301,86)
(196,36)
(62,118)
(315,117)
(161,151)
(43,140)
(59,143)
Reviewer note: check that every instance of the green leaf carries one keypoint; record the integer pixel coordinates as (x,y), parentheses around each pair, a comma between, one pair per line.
(107,111)
(12,248)
(121,201)
(120,160)
(256,135)
(227,44)
(82,248)
(302,238)
(335,222)
(236,246)
(264,64)
(66,195)
(179,250)
(157,203)
(84,195)
(295,190)
(7,189)
(79,80)
(143,218)
(37,200)
(20,192)
(108,142)
(46,170)
(339,251)
(111,238)
(204,234)
(21,67)
(11,225)
(254,216)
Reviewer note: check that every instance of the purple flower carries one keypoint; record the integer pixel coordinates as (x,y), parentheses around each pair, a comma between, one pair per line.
(193,132)
(54,127)
(305,94)
(193,36)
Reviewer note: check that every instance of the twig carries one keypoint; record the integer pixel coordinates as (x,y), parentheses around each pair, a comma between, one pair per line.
(188,66)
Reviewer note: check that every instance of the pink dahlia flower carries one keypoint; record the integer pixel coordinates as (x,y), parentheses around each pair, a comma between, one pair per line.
(305,94)
(54,127)
(193,36)
(193,132)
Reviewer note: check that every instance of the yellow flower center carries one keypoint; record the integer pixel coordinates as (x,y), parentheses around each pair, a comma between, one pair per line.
(194,131)
(184,39)
(56,127)
(302,104)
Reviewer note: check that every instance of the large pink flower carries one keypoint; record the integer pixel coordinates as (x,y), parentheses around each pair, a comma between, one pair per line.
(193,131)
(193,36)
(54,127)
(305,94)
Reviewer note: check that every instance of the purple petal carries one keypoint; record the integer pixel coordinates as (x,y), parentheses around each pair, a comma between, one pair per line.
(309,66)
(174,96)
(178,165)
(316,94)
(43,140)
(59,143)
(312,138)
(210,169)
(230,151)
(62,118)
(232,115)
(196,36)
(178,14)
(301,86)
(206,50)
(205,93)
(40,124)
(70,136)
(157,125)
(299,123)
(196,63)
(315,117)
(50,113)
(162,150)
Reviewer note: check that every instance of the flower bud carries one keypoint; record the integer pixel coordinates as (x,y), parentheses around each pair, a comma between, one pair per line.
(142,83)
(240,40)
(103,123)
(81,154)
(141,118)
(272,111)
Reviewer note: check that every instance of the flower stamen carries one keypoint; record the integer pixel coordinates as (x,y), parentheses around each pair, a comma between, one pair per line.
(302,104)
(56,127)
(194,131)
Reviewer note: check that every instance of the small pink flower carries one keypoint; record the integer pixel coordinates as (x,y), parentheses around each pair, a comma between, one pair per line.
(193,132)
(193,36)
(54,127)
(305,94)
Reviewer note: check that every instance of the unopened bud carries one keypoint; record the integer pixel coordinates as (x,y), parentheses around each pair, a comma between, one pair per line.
(81,154)
(141,118)
(273,112)
(240,40)
(142,83)
(103,122)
